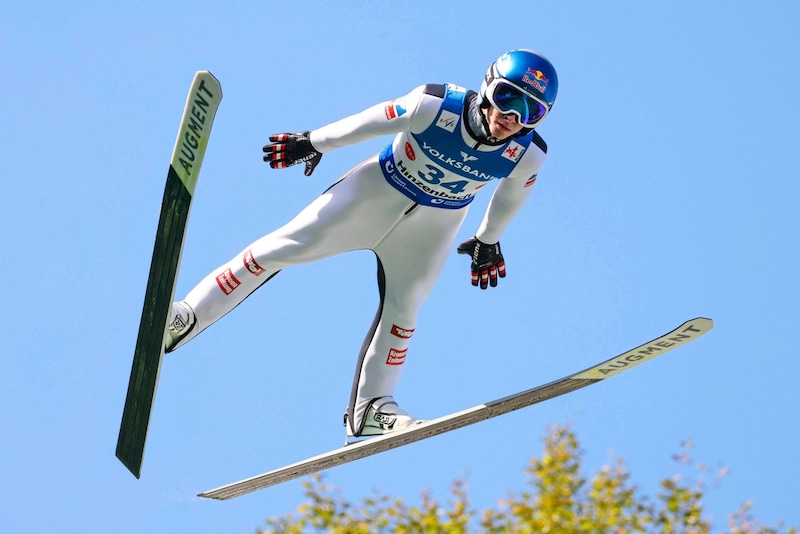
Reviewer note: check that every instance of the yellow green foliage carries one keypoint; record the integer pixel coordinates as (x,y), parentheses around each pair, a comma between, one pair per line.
(558,501)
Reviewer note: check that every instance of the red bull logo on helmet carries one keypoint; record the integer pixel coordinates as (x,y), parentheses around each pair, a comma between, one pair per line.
(539,75)
(536,79)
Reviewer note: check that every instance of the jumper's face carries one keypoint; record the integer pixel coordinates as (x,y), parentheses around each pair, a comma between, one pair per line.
(501,126)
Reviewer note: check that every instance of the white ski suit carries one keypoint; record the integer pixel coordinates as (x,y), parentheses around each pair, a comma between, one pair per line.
(406,204)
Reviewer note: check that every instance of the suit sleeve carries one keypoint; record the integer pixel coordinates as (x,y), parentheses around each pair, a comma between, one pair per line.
(510,195)
(391,117)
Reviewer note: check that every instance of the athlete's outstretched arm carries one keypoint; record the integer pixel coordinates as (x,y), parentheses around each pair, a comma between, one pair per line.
(390,117)
(508,198)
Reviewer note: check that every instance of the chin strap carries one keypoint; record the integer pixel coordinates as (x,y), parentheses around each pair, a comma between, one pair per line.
(483,106)
(477,125)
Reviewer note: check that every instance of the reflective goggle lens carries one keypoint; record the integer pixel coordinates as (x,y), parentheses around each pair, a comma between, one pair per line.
(508,99)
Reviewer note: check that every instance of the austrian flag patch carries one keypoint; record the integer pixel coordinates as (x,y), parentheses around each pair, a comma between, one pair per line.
(395,108)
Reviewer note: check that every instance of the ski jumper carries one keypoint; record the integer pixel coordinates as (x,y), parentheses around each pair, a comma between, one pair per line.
(406,204)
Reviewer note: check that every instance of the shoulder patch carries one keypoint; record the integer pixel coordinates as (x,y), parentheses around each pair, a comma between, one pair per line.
(435,89)
(538,141)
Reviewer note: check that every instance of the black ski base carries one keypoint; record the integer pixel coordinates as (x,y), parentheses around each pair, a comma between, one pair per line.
(150,342)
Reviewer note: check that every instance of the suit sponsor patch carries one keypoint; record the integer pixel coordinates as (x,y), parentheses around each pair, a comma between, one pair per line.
(513,151)
(227,282)
(396,357)
(403,333)
(410,154)
(395,108)
(447,121)
(251,264)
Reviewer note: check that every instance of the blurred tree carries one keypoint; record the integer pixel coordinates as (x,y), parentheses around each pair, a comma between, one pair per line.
(559,501)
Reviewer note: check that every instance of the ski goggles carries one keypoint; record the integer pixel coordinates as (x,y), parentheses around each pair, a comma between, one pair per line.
(508,98)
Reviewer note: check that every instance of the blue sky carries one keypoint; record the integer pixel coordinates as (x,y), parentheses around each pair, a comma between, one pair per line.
(670,192)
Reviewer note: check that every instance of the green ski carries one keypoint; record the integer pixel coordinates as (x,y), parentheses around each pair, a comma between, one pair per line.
(187,157)
(685,333)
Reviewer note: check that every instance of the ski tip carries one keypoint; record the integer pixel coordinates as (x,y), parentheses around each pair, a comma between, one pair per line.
(704,322)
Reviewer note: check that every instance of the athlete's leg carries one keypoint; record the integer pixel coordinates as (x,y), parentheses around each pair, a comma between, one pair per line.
(410,259)
(355,213)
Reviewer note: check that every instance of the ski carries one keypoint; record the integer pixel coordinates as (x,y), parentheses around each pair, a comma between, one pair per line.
(682,335)
(187,157)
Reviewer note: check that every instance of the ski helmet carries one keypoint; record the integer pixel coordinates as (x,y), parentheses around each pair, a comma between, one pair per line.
(522,82)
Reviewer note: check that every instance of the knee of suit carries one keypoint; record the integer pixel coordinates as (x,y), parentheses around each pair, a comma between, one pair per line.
(404,307)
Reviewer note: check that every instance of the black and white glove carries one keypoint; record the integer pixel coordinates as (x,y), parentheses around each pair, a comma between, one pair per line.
(288,149)
(487,262)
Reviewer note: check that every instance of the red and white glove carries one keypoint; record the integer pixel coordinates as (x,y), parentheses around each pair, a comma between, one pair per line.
(487,262)
(288,149)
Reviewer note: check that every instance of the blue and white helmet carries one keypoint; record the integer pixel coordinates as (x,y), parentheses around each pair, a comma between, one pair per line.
(522,82)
